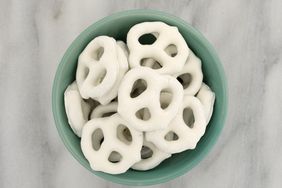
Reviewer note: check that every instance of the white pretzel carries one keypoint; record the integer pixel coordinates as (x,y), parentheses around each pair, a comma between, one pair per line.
(123,67)
(166,36)
(108,110)
(194,76)
(129,107)
(104,110)
(77,109)
(151,156)
(207,98)
(105,151)
(97,68)
(123,47)
(187,138)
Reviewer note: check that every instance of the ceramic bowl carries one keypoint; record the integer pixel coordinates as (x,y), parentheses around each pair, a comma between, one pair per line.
(117,26)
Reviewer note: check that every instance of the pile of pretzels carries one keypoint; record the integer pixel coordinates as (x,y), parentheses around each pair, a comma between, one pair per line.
(136,104)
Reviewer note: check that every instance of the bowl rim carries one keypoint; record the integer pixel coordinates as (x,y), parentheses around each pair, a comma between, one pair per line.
(200,37)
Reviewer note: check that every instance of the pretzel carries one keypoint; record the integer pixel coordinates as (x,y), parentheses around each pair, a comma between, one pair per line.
(185,136)
(123,67)
(151,157)
(104,110)
(166,36)
(98,67)
(105,150)
(131,104)
(207,98)
(191,76)
(123,47)
(77,109)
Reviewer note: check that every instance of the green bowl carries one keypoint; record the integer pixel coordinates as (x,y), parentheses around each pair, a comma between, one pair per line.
(117,26)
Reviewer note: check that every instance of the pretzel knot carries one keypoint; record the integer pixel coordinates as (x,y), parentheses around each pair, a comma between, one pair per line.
(98,67)
(165,37)
(187,128)
(105,143)
(139,99)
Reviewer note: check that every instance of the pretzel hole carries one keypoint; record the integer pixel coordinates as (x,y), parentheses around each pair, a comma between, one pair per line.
(98,54)
(114,157)
(97,139)
(148,39)
(171,136)
(165,98)
(124,134)
(150,62)
(185,80)
(188,117)
(108,114)
(138,88)
(171,50)
(143,114)
(146,152)
(93,103)
(100,77)
(114,100)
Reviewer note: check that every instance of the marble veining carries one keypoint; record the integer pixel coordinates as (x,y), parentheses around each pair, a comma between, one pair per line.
(247,36)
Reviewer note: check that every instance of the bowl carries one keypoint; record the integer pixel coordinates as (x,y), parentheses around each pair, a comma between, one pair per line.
(117,26)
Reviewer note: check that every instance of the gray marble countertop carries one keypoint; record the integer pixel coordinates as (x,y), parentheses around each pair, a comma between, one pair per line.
(247,36)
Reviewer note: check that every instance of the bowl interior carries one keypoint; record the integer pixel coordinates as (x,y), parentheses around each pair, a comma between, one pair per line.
(117,26)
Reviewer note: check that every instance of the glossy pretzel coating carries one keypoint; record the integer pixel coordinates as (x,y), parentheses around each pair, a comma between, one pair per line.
(77,109)
(123,68)
(187,136)
(100,141)
(207,98)
(104,110)
(191,76)
(123,47)
(151,157)
(152,63)
(149,100)
(98,67)
(166,36)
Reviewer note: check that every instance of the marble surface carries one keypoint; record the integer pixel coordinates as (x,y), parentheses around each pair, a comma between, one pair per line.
(247,36)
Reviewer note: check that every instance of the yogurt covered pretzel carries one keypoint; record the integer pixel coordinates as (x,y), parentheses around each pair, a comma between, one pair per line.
(149,100)
(123,47)
(77,109)
(123,68)
(105,150)
(98,67)
(187,136)
(167,36)
(191,76)
(207,98)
